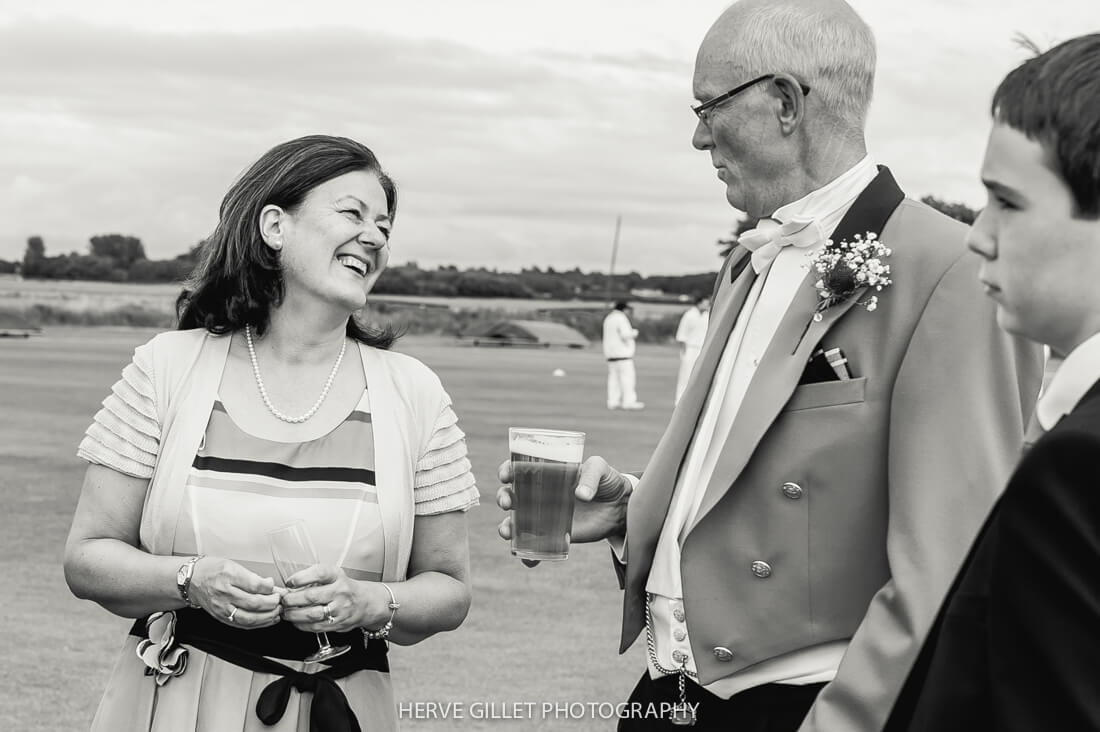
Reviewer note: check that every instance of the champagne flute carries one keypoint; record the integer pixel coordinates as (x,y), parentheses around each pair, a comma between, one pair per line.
(293,551)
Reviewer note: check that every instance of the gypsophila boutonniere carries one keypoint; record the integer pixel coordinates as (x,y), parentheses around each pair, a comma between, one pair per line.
(848,266)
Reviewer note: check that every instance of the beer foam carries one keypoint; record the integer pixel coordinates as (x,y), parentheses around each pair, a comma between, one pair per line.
(565,447)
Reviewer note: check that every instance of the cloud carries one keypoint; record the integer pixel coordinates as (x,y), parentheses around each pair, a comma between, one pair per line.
(520,159)
(507,154)
(938,64)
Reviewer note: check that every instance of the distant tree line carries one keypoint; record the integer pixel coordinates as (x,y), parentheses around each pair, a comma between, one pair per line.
(121,258)
(551,284)
(110,257)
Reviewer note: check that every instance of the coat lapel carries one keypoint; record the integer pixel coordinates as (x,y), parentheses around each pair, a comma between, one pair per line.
(786,356)
(650,501)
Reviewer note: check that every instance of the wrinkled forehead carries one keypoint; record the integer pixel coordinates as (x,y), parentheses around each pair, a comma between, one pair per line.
(717,61)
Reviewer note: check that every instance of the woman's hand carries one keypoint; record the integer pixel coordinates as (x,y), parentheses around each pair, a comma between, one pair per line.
(329,600)
(235,595)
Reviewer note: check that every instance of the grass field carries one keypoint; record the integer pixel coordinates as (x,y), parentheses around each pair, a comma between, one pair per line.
(544,635)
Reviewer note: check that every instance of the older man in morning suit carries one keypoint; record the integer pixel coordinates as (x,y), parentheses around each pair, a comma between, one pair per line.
(832,457)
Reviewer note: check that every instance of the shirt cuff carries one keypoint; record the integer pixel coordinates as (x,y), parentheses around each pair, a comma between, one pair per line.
(618,543)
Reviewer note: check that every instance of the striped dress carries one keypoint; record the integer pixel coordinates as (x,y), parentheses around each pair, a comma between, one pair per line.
(240,487)
(328,483)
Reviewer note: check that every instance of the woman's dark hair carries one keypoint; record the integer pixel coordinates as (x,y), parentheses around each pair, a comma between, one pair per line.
(238,278)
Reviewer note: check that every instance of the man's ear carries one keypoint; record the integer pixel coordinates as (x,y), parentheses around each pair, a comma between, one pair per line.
(271,226)
(793,101)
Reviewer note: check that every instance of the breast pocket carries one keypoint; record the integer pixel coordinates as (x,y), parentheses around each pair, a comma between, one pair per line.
(827,394)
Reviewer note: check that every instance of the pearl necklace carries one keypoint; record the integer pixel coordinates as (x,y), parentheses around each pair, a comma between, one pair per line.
(263,389)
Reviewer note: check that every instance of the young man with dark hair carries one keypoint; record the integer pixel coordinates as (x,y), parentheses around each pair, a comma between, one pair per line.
(1017,641)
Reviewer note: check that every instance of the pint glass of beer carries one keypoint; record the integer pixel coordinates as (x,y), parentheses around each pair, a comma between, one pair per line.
(545,468)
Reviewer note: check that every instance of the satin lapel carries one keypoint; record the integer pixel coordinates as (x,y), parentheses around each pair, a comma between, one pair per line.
(873,207)
(650,500)
(779,370)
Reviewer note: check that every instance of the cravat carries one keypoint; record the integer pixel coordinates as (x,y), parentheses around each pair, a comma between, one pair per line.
(770,236)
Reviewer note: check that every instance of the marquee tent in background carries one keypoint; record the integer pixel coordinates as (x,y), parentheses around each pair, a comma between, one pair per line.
(16,325)
(536,333)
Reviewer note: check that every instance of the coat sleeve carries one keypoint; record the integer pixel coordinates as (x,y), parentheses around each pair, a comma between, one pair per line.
(1044,594)
(618,543)
(963,393)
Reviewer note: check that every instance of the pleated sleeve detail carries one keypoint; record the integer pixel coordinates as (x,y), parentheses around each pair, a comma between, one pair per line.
(444,479)
(125,433)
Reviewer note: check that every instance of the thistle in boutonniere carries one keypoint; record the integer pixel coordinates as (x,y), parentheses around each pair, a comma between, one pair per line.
(848,266)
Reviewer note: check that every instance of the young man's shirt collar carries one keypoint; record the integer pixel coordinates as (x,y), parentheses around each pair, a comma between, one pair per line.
(1071,381)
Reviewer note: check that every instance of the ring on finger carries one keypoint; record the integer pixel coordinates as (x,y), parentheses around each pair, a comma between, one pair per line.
(328,615)
(232,612)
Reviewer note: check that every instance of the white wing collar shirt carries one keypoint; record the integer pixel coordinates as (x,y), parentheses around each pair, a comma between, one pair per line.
(782,270)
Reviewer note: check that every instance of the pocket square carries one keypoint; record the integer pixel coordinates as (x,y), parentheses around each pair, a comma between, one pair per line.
(825,365)
(817,370)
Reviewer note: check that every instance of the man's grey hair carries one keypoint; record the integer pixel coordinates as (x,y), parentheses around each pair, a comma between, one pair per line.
(834,56)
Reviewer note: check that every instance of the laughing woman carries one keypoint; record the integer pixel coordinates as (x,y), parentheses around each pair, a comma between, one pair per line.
(272,405)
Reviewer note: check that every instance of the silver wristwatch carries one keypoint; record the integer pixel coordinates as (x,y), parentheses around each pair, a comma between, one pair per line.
(183,579)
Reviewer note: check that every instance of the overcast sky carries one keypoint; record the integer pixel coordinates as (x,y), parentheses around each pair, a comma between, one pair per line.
(516,130)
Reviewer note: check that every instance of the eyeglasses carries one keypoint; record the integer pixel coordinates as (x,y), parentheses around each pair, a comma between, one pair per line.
(702,111)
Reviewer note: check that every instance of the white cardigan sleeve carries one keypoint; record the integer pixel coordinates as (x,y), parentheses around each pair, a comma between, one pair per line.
(125,433)
(444,480)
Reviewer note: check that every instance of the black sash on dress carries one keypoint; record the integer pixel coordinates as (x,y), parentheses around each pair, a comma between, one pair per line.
(250,649)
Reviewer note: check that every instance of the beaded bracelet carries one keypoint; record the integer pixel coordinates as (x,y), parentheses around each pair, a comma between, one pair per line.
(384,631)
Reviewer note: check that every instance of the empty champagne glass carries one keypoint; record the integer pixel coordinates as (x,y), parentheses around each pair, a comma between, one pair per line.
(293,551)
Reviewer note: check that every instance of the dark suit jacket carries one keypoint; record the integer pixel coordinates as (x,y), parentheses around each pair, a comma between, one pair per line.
(1016,645)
